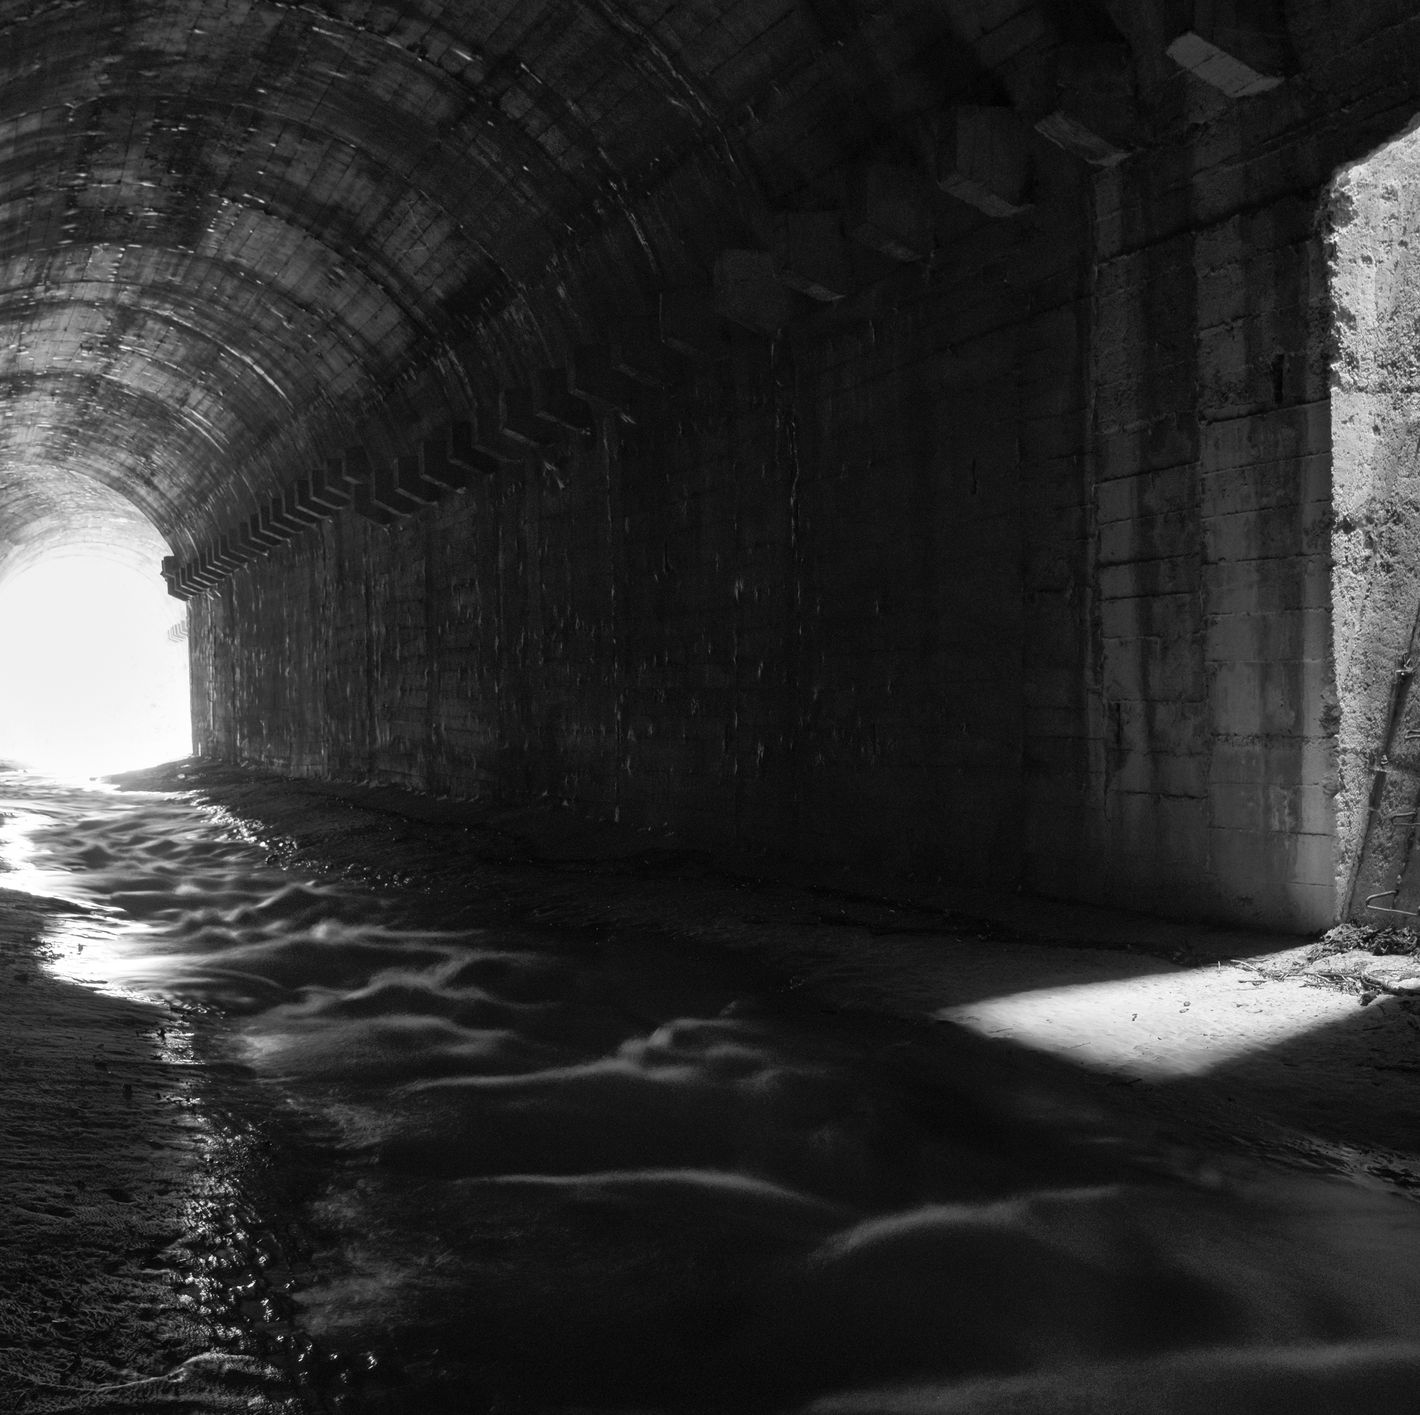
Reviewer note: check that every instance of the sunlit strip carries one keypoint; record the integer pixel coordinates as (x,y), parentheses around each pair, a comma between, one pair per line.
(1161,1025)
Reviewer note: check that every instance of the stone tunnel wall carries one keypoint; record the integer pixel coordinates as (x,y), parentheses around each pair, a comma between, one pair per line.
(1014,571)
(789,606)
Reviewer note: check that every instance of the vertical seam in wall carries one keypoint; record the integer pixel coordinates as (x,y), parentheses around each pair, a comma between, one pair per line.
(1093,665)
(610,459)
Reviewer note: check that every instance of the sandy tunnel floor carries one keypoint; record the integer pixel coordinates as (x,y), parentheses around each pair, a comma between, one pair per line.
(333,1099)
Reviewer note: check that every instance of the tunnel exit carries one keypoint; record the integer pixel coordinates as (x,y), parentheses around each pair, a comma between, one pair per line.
(94,657)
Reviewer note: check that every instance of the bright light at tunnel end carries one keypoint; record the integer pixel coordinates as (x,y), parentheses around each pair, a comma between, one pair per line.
(92,680)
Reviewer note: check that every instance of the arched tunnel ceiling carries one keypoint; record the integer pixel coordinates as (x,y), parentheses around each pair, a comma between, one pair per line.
(228,227)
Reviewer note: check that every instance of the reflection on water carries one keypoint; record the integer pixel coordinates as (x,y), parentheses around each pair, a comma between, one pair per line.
(573,1170)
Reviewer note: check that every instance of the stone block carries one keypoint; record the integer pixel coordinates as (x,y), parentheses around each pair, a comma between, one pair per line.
(185,580)
(410,482)
(982,157)
(259,536)
(269,522)
(890,211)
(205,573)
(367,505)
(172,578)
(330,490)
(558,406)
(298,506)
(748,292)
(438,465)
(371,486)
(244,545)
(812,254)
(594,378)
(283,519)
(1253,698)
(1286,807)
(1236,46)
(637,350)
(1082,98)
(242,548)
(224,555)
(488,435)
(521,419)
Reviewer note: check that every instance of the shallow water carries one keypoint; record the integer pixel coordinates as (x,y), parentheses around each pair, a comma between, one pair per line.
(549,1169)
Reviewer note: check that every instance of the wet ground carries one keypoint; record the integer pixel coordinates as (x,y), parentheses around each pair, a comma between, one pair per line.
(325,1099)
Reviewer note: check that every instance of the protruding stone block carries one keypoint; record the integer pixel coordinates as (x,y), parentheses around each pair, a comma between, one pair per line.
(466,450)
(297,503)
(361,473)
(244,548)
(205,571)
(363,503)
(330,490)
(593,377)
(556,404)
(982,157)
(228,552)
(388,490)
(172,578)
(689,323)
(748,291)
(356,467)
(891,211)
(637,350)
(438,467)
(281,518)
(486,424)
(273,524)
(521,420)
(812,254)
(410,480)
(1237,46)
(453,459)
(1082,98)
(261,535)
(187,580)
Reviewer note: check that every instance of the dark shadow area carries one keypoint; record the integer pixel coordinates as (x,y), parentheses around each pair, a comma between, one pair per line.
(1348,1082)
(569,1119)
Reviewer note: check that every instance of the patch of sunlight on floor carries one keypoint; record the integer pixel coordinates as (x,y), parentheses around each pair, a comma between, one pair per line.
(1161,1025)
(91,678)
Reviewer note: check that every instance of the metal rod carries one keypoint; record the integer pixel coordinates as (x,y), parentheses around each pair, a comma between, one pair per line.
(1381,909)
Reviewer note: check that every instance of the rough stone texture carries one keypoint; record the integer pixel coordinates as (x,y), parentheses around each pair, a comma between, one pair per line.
(1010,565)
(1373,218)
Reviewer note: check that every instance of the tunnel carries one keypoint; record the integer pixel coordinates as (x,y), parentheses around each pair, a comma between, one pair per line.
(878,432)
(735,590)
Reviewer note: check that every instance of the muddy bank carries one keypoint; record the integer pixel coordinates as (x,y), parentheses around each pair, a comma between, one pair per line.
(124,1229)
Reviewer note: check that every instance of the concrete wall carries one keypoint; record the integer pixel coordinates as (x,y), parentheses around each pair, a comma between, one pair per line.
(1373,224)
(790,605)
(1014,568)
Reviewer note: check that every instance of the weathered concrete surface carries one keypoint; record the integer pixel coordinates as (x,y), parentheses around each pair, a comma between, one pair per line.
(1373,221)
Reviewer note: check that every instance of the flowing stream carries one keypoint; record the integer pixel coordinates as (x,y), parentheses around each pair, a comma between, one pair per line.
(572,1169)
